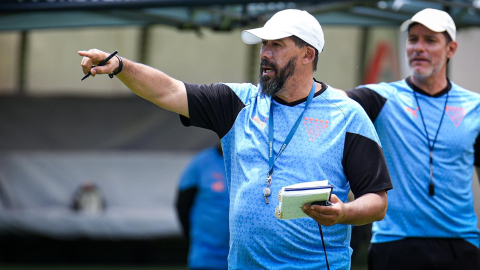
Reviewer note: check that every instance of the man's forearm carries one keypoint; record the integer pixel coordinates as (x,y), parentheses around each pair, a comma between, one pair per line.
(155,86)
(366,209)
(143,80)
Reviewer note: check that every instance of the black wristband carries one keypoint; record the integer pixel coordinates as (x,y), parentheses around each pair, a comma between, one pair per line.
(120,67)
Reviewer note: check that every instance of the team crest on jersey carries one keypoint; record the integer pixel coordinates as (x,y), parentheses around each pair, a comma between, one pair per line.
(456,114)
(260,122)
(314,127)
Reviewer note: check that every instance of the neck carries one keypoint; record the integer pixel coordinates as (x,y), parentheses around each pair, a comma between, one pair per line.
(432,84)
(294,90)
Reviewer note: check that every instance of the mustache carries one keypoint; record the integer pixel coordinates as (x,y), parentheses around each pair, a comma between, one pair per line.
(268,63)
(417,56)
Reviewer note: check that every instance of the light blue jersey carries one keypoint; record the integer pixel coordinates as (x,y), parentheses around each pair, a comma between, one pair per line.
(412,212)
(327,145)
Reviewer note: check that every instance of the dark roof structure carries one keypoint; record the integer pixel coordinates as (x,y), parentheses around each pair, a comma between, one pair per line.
(221,15)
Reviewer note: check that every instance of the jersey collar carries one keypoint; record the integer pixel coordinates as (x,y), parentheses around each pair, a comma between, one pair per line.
(417,89)
(295,103)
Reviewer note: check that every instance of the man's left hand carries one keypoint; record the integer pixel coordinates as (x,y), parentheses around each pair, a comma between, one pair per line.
(326,215)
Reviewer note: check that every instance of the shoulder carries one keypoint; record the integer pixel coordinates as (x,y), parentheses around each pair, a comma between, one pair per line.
(467,96)
(465,92)
(356,119)
(347,105)
(344,103)
(240,89)
(245,91)
(385,89)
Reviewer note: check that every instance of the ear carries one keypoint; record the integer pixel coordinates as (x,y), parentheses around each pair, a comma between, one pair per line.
(309,55)
(451,48)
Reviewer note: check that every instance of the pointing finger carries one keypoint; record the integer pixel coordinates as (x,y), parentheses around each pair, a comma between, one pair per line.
(84,53)
(94,54)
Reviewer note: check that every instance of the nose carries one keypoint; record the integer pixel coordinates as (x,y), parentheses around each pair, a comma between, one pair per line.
(419,46)
(266,52)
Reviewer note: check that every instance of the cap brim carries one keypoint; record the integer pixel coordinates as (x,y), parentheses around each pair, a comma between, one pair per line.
(405,25)
(255,36)
(428,24)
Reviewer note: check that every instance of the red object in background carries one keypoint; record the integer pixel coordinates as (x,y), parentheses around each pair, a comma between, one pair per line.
(383,55)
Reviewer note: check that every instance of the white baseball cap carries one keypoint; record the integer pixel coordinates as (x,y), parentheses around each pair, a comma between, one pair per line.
(286,23)
(434,19)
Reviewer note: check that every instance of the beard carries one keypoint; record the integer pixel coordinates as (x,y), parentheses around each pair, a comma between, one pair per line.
(270,87)
(425,72)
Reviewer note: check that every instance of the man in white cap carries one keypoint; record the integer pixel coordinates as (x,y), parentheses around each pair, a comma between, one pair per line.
(429,128)
(318,134)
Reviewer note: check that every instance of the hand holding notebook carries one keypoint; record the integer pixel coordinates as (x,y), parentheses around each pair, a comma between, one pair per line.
(292,198)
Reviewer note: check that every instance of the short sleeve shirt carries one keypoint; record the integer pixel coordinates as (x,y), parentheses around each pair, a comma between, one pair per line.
(399,121)
(335,141)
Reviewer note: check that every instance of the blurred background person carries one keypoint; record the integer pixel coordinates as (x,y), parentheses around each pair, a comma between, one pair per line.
(202,208)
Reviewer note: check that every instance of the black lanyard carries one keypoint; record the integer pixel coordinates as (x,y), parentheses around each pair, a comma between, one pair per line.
(431,186)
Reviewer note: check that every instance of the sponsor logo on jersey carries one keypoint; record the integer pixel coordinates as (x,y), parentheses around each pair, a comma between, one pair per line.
(261,123)
(314,127)
(414,112)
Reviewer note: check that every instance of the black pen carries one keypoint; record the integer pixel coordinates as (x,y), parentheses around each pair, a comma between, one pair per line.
(104,61)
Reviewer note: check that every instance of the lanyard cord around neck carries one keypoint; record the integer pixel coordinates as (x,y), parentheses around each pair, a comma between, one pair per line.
(271,160)
(431,186)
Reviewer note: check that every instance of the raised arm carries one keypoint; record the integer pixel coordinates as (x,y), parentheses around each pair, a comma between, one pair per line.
(147,82)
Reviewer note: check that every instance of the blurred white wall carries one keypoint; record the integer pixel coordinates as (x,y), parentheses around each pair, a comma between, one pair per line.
(54,65)
(338,63)
(9,48)
(208,58)
(464,66)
